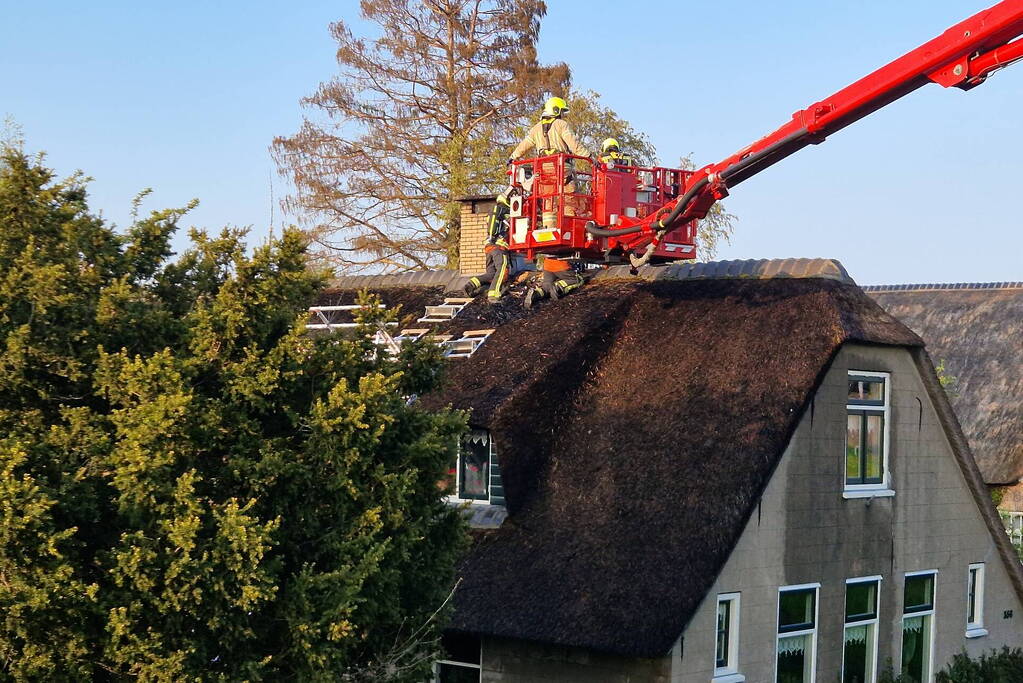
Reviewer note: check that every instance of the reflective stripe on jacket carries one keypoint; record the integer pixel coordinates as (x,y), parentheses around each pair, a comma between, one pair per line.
(616,158)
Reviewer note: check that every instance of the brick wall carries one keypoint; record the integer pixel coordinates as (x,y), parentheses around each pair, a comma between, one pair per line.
(475,212)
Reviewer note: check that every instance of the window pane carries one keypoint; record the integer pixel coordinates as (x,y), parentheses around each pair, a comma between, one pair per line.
(860,601)
(853,441)
(721,651)
(915,646)
(795,610)
(971,601)
(919,593)
(794,659)
(474,474)
(859,641)
(452,673)
(864,390)
(873,449)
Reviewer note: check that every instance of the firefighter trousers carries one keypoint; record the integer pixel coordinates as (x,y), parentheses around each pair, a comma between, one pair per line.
(496,275)
(556,284)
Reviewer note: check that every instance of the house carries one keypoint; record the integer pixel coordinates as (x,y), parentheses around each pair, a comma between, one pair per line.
(975,332)
(735,471)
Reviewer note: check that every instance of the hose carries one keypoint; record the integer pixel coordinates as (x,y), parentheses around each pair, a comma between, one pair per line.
(645,258)
(763,155)
(592,228)
(664,224)
(683,203)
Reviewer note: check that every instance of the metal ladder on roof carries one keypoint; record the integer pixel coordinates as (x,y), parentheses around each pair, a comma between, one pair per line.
(446,311)
(461,347)
(328,317)
(466,345)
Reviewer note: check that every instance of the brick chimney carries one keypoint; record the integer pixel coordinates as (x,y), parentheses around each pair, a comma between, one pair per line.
(475,212)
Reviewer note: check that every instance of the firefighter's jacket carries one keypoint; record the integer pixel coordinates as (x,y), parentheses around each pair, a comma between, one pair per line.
(497,226)
(550,136)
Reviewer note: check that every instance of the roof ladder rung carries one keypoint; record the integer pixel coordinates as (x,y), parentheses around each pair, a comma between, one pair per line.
(446,311)
(467,344)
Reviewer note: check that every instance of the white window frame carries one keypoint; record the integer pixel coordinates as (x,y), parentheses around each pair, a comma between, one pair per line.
(454,498)
(884,489)
(790,634)
(931,613)
(464,665)
(730,672)
(872,674)
(975,629)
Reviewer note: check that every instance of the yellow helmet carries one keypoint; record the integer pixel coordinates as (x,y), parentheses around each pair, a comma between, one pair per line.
(609,145)
(554,107)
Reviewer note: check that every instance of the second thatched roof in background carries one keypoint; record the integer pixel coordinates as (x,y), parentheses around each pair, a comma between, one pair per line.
(976,331)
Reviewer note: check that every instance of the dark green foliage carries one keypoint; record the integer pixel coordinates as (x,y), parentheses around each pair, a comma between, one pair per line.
(1005,666)
(191,487)
(887,675)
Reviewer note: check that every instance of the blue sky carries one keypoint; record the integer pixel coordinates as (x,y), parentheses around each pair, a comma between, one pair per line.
(186,97)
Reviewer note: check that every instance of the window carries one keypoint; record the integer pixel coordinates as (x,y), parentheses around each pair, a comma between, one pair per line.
(797,634)
(475,475)
(866,436)
(975,601)
(726,642)
(859,656)
(918,626)
(462,659)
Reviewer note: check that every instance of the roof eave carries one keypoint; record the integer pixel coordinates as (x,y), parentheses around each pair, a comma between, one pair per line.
(968,466)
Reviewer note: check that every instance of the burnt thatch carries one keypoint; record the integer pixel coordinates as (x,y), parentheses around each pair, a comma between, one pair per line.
(977,331)
(638,424)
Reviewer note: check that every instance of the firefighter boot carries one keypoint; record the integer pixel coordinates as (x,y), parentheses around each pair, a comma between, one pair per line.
(473,286)
(494,297)
(533,295)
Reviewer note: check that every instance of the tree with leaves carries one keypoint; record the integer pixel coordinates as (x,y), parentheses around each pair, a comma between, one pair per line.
(192,487)
(419,115)
(592,123)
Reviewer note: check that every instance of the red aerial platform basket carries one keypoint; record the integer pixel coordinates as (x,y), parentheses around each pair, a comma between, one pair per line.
(557,198)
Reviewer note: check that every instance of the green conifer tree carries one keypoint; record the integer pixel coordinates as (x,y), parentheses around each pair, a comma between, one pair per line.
(191,486)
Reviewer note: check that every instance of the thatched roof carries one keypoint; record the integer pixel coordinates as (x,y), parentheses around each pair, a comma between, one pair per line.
(638,426)
(638,423)
(977,331)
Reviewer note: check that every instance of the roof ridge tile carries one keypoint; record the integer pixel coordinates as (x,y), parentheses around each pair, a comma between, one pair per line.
(936,286)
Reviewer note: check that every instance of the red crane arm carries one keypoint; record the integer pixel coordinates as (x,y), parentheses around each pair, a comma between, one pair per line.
(963,56)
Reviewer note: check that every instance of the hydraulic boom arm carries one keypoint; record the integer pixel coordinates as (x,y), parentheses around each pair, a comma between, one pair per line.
(963,56)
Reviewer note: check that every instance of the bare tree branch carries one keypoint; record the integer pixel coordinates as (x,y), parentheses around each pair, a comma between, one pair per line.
(418,115)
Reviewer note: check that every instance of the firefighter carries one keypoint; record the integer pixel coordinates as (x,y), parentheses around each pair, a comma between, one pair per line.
(552,135)
(496,249)
(610,154)
(559,279)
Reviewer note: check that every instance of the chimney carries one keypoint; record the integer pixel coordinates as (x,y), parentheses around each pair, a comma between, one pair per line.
(474,215)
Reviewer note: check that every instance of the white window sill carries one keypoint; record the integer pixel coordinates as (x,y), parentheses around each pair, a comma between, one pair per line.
(867,493)
(976,632)
(451,500)
(728,678)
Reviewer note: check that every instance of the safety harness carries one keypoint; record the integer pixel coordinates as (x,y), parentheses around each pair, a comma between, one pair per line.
(545,127)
